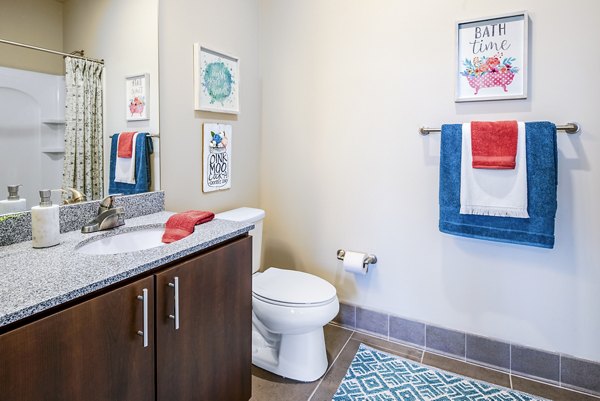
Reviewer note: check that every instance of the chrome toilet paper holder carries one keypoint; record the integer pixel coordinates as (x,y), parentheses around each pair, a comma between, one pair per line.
(370,260)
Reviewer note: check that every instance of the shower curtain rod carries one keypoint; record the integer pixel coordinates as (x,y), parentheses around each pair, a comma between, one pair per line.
(10,42)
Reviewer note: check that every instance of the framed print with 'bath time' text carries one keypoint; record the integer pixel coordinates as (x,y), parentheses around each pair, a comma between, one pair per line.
(216,81)
(136,95)
(491,58)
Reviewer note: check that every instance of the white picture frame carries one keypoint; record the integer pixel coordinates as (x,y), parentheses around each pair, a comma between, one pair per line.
(137,97)
(492,58)
(216,81)
(216,156)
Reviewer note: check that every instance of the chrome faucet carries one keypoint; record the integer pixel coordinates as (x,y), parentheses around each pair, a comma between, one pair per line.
(109,216)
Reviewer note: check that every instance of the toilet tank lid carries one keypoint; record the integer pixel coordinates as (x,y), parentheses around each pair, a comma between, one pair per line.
(292,287)
(242,214)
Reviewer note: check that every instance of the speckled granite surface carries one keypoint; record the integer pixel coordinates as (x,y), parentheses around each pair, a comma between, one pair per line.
(33,280)
(17,227)
(73,217)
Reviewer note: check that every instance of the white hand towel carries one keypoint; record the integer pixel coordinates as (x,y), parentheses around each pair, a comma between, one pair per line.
(491,192)
(125,166)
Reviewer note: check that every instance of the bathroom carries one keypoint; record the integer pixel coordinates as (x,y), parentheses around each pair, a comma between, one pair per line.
(326,142)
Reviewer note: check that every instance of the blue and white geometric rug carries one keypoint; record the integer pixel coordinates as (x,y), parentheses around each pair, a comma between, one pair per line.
(377,376)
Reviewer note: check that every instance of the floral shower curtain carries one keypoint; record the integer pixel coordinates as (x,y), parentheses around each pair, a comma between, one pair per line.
(84,140)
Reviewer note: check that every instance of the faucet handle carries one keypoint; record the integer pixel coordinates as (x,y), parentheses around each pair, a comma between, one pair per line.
(74,196)
(107,203)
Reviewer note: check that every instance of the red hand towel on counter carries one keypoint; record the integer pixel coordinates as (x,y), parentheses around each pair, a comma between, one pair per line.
(494,144)
(125,144)
(181,225)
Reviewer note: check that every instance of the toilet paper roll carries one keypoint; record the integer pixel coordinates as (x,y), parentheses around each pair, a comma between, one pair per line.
(354,262)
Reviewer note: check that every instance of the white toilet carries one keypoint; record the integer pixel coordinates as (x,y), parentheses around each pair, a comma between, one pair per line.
(289,310)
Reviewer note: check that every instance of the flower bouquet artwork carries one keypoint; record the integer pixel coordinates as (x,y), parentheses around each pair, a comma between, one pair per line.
(489,72)
(136,107)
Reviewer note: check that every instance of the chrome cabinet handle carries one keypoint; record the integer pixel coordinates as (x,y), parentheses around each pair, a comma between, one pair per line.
(144,299)
(175,285)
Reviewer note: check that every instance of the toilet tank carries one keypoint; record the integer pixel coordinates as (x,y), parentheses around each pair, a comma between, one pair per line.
(249,215)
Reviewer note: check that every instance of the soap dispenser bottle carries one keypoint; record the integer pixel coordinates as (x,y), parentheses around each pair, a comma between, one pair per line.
(14,203)
(45,225)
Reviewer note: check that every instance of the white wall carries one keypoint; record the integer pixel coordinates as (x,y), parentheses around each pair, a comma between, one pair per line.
(231,27)
(125,35)
(346,84)
(33,22)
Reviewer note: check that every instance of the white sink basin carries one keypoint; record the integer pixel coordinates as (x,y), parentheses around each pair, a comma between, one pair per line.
(125,242)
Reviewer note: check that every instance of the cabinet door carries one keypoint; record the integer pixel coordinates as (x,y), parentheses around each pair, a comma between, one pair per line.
(209,356)
(90,351)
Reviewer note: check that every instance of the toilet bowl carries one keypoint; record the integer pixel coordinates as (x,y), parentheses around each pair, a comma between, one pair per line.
(289,310)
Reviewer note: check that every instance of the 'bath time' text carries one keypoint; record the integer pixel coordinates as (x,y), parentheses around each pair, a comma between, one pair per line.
(482,44)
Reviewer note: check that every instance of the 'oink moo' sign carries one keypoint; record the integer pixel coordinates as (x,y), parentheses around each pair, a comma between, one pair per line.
(216,157)
(491,56)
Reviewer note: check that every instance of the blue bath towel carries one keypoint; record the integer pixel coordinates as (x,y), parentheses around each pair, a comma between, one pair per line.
(143,176)
(538,229)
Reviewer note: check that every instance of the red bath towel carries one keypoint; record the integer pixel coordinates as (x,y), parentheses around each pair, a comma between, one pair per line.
(125,146)
(494,144)
(181,225)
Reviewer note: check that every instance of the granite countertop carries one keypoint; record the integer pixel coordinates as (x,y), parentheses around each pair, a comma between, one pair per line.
(33,280)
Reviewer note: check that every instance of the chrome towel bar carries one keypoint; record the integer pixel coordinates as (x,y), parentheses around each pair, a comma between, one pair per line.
(569,128)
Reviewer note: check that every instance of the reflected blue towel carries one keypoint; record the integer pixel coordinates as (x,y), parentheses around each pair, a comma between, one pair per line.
(143,178)
(538,229)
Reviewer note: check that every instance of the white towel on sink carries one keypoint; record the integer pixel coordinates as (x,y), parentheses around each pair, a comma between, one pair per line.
(125,166)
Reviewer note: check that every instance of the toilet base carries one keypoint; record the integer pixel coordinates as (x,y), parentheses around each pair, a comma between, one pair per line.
(300,357)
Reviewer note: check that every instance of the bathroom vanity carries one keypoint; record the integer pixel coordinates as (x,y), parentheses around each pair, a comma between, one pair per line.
(167,323)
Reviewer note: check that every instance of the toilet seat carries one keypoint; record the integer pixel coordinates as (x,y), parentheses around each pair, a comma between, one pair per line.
(292,288)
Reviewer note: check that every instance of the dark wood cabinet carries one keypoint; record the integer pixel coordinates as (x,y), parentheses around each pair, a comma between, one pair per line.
(89,351)
(94,351)
(209,356)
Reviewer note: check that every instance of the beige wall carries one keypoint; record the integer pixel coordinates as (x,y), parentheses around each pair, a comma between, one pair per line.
(231,27)
(346,84)
(36,23)
(125,35)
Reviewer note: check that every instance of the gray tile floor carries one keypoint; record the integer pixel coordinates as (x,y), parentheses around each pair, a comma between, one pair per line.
(343,343)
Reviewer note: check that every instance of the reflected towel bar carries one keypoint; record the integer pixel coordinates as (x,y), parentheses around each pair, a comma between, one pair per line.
(569,128)
(150,135)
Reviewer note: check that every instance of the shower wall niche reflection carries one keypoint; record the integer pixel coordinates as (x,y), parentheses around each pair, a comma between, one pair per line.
(32,125)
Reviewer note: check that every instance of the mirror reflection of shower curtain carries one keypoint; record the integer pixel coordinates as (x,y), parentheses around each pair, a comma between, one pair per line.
(84,154)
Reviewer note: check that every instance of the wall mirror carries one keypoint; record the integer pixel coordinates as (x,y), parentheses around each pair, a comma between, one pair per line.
(32,96)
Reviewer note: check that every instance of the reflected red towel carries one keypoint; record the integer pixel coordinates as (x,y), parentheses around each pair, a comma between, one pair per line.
(125,145)
(181,225)
(494,144)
